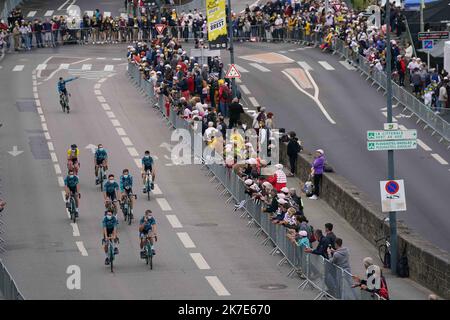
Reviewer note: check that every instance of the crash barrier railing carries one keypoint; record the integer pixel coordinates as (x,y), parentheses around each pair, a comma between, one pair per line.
(8,287)
(330,280)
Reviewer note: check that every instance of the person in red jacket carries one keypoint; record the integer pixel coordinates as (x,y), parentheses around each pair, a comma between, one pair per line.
(278,179)
(191,83)
(401,70)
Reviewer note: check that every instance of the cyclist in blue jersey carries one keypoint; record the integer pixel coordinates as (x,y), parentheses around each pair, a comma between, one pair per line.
(100,158)
(147,224)
(72,186)
(109,224)
(111,190)
(147,164)
(126,186)
(61,86)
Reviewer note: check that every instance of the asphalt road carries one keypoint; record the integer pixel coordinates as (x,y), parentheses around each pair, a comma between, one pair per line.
(355,107)
(41,242)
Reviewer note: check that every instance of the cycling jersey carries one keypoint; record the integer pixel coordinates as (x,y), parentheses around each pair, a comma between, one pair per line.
(148,226)
(73,154)
(110,224)
(126,182)
(101,155)
(147,163)
(71,182)
(61,86)
(110,188)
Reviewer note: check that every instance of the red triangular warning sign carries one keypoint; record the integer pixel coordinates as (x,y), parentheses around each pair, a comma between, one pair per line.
(233,72)
(160,28)
(337,7)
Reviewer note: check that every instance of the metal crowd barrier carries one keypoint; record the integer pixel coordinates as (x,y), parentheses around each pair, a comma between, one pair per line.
(7,285)
(330,280)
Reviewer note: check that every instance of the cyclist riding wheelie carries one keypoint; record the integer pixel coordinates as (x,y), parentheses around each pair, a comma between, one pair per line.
(147,165)
(126,187)
(61,86)
(72,158)
(147,224)
(111,191)
(109,224)
(72,186)
(100,159)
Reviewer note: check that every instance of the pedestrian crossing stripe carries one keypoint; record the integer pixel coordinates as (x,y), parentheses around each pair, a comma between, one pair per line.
(109,67)
(48,13)
(18,68)
(326,65)
(86,67)
(31,14)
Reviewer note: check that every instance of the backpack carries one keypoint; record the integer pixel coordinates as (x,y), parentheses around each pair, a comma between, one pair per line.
(383,291)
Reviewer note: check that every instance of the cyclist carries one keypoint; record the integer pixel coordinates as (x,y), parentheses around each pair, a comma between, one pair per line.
(109,224)
(147,164)
(72,186)
(72,158)
(147,224)
(126,186)
(100,158)
(61,86)
(111,191)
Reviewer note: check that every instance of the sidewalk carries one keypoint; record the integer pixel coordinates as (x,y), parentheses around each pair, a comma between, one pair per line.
(319,212)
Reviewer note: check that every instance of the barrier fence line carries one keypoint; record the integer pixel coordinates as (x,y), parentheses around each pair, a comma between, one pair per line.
(330,280)
(7,285)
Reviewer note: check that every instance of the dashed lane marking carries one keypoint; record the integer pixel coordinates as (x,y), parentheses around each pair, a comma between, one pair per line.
(31,14)
(110,114)
(86,67)
(186,240)
(244,89)
(253,101)
(121,132)
(423,145)
(200,261)
(174,222)
(106,107)
(109,67)
(97,86)
(259,67)
(156,190)
(64,66)
(57,168)
(326,65)
(50,146)
(115,122)
(217,285)
(82,249)
(47,135)
(42,118)
(18,68)
(126,141)
(241,69)
(165,206)
(101,99)
(48,13)
(385,114)
(133,152)
(44,126)
(41,66)
(76,231)
(439,159)
(98,92)
(347,65)
(38,104)
(61,181)
(54,157)
(138,163)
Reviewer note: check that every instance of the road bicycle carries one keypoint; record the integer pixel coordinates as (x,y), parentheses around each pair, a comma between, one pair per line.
(111,206)
(64,101)
(148,183)
(148,249)
(384,251)
(126,207)
(72,206)
(111,249)
(101,176)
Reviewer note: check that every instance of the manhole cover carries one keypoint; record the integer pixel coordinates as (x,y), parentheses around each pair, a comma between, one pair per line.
(206,224)
(273,286)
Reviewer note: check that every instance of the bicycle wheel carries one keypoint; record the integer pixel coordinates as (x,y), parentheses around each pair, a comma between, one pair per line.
(382,250)
(111,257)
(129,215)
(73,210)
(100,180)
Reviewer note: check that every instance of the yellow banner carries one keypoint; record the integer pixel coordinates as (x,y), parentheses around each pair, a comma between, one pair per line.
(217,24)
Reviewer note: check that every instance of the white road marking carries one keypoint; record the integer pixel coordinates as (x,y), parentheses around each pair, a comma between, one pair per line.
(39,110)
(38,104)
(82,249)
(102,80)
(253,101)
(347,65)
(186,240)
(41,66)
(97,86)
(90,13)
(101,58)
(107,14)
(106,107)
(156,190)
(402,127)
(238,80)
(98,92)
(76,231)
(48,13)
(241,69)
(34,83)
(174,222)
(139,165)
(385,114)
(109,67)
(34,77)
(127,142)
(86,67)
(133,152)
(101,99)
(115,122)
(44,126)
(42,118)
(53,156)
(47,136)
(282,51)
(244,89)
(31,14)
(165,206)
(34,89)
(259,67)
(62,6)
(117,59)
(50,146)
(57,169)
(423,145)
(110,114)
(217,285)
(326,65)
(305,65)
(121,132)
(439,159)
(64,66)
(36,96)
(18,68)
(200,261)
(61,181)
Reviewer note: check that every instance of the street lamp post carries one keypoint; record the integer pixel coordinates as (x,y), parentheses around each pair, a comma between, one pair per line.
(231,47)
(391,174)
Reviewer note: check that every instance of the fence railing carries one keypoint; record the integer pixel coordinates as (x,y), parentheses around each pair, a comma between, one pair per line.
(330,280)
(7,285)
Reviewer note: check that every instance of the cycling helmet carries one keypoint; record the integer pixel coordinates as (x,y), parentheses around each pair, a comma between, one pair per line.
(74,146)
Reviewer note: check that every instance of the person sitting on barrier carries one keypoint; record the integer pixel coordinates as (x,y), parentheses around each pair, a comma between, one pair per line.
(372,271)
(322,246)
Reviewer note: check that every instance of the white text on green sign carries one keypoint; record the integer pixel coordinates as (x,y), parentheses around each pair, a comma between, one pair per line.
(391,145)
(391,135)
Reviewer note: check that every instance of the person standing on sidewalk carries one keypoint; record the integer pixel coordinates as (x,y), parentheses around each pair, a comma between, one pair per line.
(340,256)
(293,148)
(235,111)
(316,172)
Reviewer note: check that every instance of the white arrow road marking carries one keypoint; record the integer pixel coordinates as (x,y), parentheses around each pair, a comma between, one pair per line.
(200,261)
(18,68)
(217,285)
(186,240)
(315,98)
(15,152)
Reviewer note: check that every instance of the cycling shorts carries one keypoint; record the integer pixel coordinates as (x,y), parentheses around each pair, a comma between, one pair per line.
(64,91)
(147,168)
(109,232)
(74,160)
(128,191)
(144,233)
(73,190)
(111,196)
(99,161)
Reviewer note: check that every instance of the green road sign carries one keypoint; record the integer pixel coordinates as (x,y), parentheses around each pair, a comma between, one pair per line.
(391,135)
(391,145)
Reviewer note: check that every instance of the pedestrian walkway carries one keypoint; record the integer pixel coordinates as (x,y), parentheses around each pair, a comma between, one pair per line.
(319,212)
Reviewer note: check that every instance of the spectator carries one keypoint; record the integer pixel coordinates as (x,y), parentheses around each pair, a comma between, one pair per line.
(235,111)
(316,172)
(330,235)
(340,256)
(372,271)
(302,240)
(293,148)
(322,245)
(443,96)
(278,179)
